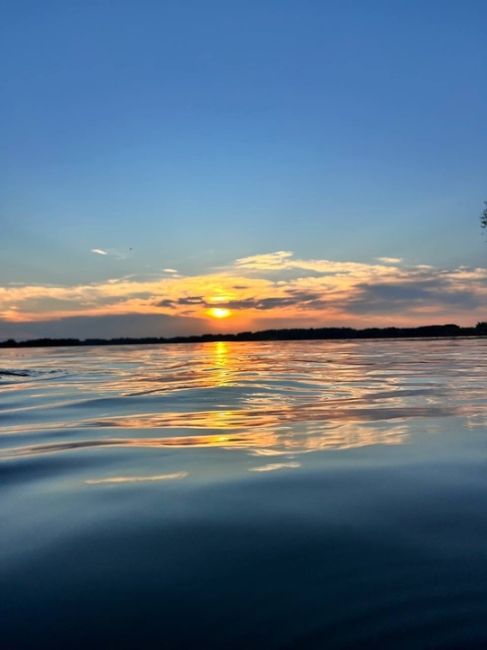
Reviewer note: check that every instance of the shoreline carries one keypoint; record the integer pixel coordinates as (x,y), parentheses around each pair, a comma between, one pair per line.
(294,334)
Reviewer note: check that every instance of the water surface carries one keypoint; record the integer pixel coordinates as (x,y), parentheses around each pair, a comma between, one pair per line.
(319,494)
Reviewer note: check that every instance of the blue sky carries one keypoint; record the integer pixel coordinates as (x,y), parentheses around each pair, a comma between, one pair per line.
(188,135)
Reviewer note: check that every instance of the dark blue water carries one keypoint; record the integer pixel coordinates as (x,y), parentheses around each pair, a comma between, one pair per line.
(269,495)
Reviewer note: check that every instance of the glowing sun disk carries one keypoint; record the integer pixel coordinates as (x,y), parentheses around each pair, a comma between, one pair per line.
(219,312)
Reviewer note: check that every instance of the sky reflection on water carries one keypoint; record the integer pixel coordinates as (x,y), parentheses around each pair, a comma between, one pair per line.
(278,495)
(270,398)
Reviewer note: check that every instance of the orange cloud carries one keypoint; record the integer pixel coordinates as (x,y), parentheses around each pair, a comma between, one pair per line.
(272,289)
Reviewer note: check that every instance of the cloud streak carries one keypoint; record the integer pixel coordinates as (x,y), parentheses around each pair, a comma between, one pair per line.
(111,252)
(389,260)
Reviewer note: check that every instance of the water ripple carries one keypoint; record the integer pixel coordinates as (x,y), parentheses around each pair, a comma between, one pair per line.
(258,397)
(278,495)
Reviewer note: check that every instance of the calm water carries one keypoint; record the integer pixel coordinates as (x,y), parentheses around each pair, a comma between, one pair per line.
(242,495)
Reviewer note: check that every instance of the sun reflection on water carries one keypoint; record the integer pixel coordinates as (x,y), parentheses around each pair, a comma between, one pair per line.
(266,399)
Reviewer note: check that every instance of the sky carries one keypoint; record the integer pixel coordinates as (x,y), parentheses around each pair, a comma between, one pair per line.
(179,167)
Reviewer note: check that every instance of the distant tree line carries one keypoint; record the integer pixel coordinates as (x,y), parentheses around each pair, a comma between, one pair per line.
(295,334)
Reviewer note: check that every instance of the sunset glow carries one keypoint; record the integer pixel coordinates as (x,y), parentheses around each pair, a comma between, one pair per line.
(275,289)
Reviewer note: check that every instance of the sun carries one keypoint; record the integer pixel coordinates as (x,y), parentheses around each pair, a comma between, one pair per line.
(219,312)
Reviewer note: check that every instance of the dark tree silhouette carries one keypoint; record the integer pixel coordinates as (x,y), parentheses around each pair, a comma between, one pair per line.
(295,334)
(483,218)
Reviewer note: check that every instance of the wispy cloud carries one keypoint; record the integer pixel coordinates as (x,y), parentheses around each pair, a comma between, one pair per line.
(285,261)
(389,260)
(112,252)
(267,261)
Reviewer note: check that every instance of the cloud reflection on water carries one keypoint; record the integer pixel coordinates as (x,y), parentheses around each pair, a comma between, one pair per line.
(137,479)
(265,399)
(272,467)
(259,442)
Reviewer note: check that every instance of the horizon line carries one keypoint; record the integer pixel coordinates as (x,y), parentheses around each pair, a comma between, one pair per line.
(282,334)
